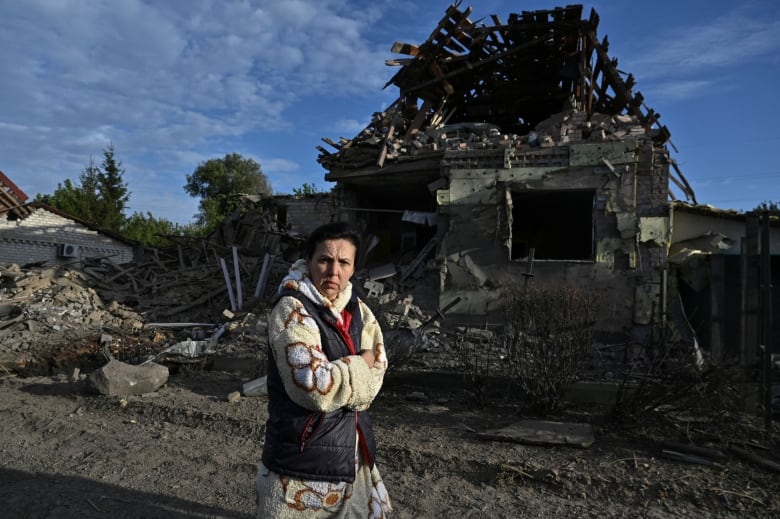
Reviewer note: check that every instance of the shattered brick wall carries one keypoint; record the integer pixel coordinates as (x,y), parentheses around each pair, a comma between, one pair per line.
(627,182)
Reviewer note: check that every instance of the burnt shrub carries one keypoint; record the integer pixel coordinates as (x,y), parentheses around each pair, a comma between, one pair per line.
(482,359)
(548,338)
(672,376)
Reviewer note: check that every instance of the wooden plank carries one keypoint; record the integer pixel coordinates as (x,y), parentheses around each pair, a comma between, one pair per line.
(539,432)
(687,458)
(717,304)
(405,48)
(398,62)
(263,278)
(692,449)
(419,118)
(228,284)
(419,259)
(380,161)
(237,274)
(770,465)
(331,142)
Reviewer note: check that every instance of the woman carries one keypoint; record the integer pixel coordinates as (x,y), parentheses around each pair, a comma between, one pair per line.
(326,365)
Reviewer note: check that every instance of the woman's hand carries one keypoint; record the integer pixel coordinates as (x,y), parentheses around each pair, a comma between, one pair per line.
(368,356)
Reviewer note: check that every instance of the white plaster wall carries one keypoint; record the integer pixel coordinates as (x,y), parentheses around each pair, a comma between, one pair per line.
(687,225)
(39,236)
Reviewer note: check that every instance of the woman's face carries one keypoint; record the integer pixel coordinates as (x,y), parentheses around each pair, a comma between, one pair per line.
(331,266)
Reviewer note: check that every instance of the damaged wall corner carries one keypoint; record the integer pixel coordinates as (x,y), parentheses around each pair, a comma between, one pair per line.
(655,229)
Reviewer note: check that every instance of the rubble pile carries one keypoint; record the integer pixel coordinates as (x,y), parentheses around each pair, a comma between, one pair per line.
(199,300)
(575,126)
(571,126)
(45,309)
(52,319)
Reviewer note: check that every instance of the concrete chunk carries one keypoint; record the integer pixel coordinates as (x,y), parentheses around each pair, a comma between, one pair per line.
(119,379)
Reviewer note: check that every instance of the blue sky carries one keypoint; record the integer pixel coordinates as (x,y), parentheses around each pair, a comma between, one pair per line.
(174,83)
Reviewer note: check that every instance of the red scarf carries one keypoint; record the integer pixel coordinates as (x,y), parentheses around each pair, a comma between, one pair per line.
(343,328)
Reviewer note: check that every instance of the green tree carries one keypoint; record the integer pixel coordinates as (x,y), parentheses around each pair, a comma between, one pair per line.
(158,232)
(75,199)
(149,230)
(220,182)
(306,189)
(100,196)
(766,205)
(112,191)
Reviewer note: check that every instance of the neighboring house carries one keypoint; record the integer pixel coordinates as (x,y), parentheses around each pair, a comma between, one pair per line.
(301,214)
(714,259)
(36,233)
(519,146)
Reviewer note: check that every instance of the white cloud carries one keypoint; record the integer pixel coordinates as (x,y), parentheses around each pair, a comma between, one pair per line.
(679,53)
(681,89)
(349,127)
(172,84)
(278,165)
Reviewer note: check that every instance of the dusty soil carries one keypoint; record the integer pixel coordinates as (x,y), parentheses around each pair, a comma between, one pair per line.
(185,451)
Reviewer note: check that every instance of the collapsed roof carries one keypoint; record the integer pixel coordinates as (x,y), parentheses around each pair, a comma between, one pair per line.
(11,197)
(512,75)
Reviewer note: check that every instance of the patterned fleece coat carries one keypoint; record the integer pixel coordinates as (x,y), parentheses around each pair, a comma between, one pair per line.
(315,382)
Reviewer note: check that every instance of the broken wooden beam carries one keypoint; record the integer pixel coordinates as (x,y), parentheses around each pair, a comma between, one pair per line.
(237,274)
(687,458)
(405,48)
(770,465)
(263,278)
(331,142)
(419,259)
(228,284)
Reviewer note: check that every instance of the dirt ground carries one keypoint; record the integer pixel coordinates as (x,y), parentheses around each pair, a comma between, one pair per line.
(185,451)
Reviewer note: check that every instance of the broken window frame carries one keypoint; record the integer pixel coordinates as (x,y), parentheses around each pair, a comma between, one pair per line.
(509,213)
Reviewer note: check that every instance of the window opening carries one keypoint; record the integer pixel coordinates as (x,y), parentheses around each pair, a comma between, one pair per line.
(557,224)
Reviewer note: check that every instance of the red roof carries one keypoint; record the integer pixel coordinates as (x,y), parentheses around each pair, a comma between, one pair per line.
(6,185)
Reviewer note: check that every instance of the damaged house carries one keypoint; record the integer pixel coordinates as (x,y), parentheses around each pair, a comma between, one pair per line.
(33,233)
(516,147)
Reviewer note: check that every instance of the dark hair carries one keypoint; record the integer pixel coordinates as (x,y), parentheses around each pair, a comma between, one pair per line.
(331,231)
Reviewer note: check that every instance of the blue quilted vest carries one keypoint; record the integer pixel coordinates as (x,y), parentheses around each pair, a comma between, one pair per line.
(313,445)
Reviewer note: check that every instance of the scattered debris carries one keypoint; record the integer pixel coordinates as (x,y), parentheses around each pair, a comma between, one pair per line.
(256,387)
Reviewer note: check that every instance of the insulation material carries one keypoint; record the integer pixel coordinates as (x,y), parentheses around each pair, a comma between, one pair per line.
(708,243)
(655,229)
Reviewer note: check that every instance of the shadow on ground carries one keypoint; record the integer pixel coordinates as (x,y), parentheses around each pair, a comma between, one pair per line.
(27,495)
